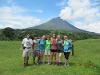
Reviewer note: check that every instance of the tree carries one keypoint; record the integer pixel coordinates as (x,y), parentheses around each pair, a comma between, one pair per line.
(9,33)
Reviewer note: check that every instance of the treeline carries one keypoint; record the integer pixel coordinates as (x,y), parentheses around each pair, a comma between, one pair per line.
(19,34)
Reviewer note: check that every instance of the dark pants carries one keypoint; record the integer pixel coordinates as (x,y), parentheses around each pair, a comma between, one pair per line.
(66,54)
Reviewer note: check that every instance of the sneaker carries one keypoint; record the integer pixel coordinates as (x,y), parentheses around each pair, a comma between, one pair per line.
(24,64)
(49,63)
(67,65)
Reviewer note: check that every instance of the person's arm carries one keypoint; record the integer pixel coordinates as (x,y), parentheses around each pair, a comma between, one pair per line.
(23,44)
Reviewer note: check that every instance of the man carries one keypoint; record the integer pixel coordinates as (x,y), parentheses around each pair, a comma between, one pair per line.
(59,48)
(27,45)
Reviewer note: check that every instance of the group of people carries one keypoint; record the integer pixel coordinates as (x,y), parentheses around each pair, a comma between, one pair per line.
(47,47)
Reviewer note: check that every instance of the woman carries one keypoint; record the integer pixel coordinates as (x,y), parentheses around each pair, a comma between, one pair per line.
(67,49)
(53,48)
(36,51)
(48,48)
(42,48)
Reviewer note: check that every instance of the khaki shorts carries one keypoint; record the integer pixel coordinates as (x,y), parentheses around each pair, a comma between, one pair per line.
(47,52)
(26,52)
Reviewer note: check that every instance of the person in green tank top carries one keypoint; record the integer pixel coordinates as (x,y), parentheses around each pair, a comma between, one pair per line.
(48,48)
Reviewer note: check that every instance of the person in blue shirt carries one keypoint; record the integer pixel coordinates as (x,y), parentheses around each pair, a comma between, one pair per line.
(42,47)
(67,49)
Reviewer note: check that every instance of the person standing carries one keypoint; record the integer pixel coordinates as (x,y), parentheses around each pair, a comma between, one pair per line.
(67,49)
(42,48)
(48,49)
(36,51)
(59,49)
(53,48)
(27,45)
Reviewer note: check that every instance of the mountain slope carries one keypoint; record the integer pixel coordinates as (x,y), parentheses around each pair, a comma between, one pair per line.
(57,24)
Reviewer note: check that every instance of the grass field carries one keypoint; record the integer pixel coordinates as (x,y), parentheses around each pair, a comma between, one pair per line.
(86,60)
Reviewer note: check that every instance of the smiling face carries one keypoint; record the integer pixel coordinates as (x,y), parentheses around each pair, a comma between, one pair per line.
(54,36)
(43,37)
(65,37)
(58,37)
(48,37)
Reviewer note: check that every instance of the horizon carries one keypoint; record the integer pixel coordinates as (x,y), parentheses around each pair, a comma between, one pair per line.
(22,14)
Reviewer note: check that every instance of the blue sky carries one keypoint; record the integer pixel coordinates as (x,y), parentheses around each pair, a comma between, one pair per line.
(84,14)
(40,8)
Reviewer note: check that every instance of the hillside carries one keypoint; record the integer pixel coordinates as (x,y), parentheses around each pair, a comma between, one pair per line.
(57,24)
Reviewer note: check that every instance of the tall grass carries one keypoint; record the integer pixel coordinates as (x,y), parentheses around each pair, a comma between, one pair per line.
(86,60)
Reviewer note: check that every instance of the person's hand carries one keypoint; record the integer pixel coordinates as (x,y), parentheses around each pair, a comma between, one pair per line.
(24,47)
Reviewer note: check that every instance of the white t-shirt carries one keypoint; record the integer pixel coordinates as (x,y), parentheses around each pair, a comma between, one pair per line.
(27,42)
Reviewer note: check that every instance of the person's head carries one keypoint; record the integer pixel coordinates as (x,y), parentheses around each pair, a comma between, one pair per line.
(35,38)
(27,36)
(65,37)
(54,36)
(43,37)
(58,37)
(48,37)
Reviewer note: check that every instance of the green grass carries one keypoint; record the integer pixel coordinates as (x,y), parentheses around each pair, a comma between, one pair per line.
(86,60)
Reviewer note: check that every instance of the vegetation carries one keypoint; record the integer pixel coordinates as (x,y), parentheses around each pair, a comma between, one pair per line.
(18,34)
(86,60)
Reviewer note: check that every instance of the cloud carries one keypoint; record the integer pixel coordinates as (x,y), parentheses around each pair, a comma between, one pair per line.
(13,17)
(83,13)
(94,27)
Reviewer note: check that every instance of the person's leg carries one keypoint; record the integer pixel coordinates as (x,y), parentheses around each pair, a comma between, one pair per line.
(65,58)
(25,57)
(41,57)
(34,55)
(24,61)
(60,54)
(55,57)
(45,56)
(51,57)
(33,59)
(49,61)
(68,53)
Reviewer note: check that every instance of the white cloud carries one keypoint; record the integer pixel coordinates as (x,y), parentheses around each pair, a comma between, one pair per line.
(94,27)
(66,15)
(82,13)
(13,17)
